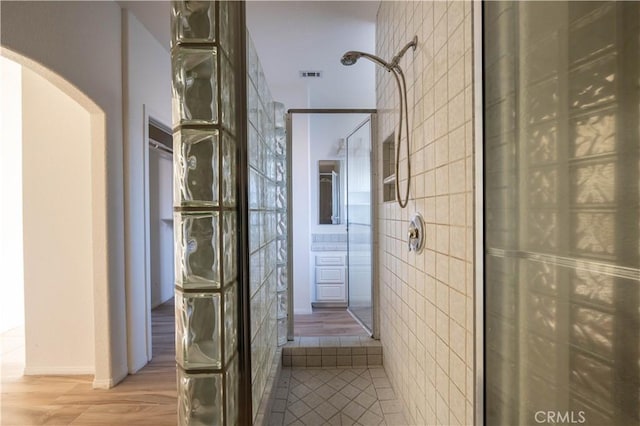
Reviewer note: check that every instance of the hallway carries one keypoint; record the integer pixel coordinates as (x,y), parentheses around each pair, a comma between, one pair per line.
(148,397)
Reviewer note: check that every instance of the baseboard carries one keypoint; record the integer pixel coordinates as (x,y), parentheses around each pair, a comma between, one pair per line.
(108,383)
(332,305)
(59,371)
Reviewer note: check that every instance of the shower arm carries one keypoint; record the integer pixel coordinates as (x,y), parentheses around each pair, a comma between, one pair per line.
(396,59)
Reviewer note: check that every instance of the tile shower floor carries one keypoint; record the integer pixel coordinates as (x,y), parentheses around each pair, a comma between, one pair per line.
(335,396)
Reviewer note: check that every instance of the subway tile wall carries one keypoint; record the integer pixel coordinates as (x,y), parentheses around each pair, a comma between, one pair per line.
(262,225)
(426,300)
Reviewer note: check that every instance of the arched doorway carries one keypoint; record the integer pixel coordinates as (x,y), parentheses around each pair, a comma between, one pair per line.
(60,179)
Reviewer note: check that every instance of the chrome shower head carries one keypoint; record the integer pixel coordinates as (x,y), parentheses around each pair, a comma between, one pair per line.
(352,56)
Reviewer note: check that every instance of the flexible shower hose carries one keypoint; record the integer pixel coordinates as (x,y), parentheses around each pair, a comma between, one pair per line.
(404,108)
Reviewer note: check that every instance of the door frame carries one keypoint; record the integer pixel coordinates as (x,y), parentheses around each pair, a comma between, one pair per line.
(149,118)
(374,239)
(290,240)
(478,246)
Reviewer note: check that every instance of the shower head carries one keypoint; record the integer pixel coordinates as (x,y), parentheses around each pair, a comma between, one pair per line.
(352,56)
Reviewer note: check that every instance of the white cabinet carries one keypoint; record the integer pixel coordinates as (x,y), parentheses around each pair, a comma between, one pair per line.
(330,278)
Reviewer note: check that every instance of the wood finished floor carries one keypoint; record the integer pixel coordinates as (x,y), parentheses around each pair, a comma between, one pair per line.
(327,322)
(146,398)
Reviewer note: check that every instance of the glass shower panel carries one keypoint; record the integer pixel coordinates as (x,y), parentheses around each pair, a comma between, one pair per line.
(359,224)
(562,247)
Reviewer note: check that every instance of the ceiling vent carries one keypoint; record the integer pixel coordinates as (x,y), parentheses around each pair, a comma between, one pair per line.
(310,74)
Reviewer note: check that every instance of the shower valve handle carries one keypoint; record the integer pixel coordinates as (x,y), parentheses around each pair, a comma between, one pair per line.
(415,235)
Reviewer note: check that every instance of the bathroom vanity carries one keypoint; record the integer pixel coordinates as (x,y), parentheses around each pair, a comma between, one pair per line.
(328,255)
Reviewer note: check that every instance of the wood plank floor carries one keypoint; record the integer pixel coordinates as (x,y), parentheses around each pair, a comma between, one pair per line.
(146,398)
(327,322)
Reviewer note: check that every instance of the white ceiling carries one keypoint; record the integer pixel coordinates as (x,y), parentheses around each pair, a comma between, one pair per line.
(291,36)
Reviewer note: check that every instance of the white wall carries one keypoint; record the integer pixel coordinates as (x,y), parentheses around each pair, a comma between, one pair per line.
(147,81)
(300,176)
(77,45)
(58,262)
(11,264)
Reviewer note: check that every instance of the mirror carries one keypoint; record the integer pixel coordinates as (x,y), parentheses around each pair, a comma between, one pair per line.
(329,192)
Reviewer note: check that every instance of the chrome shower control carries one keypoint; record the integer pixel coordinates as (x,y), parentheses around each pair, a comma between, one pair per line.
(416,233)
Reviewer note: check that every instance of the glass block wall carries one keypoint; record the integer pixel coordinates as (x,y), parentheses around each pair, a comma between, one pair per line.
(281,219)
(265,248)
(204,63)
(562,203)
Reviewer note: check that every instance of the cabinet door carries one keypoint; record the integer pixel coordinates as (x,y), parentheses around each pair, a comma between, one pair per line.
(330,275)
(330,292)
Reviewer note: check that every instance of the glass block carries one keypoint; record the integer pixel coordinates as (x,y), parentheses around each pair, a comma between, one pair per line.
(198,338)
(282,331)
(231,396)
(282,305)
(543,186)
(281,197)
(199,399)
(195,85)
(197,245)
(594,134)
(192,22)
(593,379)
(254,142)
(281,278)
(272,282)
(228,95)
(281,171)
(281,224)
(280,141)
(254,272)
(228,11)
(253,189)
(254,230)
(594,83)
(229,254)
(594,331)
(594,233)
(279,115)
(542,101)
(281,251)
(196,168)
(594,183)
(230,321)
(252,60)
(268,226)
(228,171)
(542,141)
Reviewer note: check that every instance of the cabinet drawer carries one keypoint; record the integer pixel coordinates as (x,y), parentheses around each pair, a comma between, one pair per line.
(333,292)
(329,275)
(329,260)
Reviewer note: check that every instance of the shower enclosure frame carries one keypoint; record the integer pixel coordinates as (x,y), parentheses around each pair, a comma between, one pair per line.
(478,244)
(374,200)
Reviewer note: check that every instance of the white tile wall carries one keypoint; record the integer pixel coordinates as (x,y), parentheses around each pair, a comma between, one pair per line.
(426,307)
